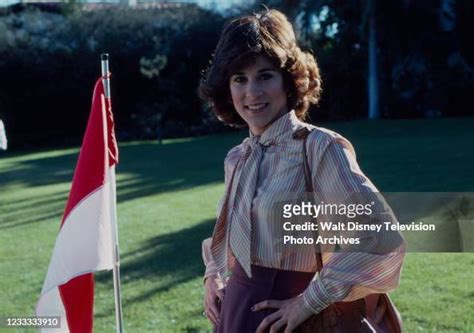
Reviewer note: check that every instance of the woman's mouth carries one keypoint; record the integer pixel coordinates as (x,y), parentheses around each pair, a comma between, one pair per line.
(256,107)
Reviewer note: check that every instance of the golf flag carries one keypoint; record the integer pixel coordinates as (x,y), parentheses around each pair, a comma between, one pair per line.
(87,235)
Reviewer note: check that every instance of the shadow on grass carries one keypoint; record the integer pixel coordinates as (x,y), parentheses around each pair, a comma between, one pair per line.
(7,224)
(170,260)
(32,209)
(149,163)
(28,201)
(144,169)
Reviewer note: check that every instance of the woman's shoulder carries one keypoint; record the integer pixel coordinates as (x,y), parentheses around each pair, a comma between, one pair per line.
(322,138)
(235,153)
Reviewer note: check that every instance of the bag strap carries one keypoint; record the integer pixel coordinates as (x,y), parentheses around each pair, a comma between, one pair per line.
(302,134)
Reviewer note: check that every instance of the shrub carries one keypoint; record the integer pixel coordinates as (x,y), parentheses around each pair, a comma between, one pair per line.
(49,62)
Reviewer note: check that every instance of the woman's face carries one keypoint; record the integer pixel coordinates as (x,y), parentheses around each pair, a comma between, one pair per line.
(258,94)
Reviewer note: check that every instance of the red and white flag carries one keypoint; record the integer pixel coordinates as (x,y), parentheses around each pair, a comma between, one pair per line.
(87,236)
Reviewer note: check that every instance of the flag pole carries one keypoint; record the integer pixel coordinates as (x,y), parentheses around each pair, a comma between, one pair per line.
(116,268)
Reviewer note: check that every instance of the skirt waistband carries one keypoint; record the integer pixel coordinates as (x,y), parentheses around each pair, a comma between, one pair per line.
(278,278)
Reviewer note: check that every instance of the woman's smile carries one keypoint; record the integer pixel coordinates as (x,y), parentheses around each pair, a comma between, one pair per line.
(256,107)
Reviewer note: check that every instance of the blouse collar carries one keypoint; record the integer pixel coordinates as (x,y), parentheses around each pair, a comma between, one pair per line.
(287,122)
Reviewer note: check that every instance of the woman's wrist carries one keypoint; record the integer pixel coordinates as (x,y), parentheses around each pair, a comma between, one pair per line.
(315,297)
(211,276)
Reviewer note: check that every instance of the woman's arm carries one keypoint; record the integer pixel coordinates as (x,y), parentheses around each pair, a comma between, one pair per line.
(213,294)
(353,271)
(229,164)
(211,269)
(213,286)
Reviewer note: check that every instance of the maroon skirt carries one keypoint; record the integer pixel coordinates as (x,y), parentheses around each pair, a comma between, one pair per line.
(241,293)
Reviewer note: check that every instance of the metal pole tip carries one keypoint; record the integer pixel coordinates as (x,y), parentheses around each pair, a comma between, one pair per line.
(104,56)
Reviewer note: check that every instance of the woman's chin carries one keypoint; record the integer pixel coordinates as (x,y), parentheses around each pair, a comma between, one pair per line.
(258,127)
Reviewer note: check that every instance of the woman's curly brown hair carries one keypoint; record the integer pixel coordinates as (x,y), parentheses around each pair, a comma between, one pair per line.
(267,33)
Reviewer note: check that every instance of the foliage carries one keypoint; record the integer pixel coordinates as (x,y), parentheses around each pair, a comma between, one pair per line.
(426,66)
(49,62)
(426,63)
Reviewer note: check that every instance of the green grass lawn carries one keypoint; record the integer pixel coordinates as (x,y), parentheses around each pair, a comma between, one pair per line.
(167,196)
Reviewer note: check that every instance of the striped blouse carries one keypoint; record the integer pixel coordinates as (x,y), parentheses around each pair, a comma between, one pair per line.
(351,271)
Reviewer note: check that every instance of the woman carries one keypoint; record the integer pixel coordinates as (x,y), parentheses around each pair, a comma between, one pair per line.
(260,78)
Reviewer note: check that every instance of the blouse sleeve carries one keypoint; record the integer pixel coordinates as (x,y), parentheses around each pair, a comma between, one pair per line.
(229,164)
(211,268)
(351,271)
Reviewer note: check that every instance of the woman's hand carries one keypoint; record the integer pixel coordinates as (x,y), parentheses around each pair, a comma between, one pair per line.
(212,297)
(291,312)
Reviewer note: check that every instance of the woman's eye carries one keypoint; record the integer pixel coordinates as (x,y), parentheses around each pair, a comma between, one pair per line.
(239,79)
(266,76)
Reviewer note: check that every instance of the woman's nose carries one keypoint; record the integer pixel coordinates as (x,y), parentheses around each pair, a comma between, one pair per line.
(254,89)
